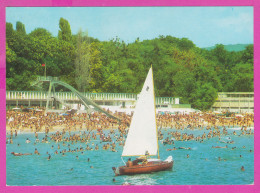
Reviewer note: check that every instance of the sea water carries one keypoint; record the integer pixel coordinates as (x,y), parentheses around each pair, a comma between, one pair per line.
(202,167)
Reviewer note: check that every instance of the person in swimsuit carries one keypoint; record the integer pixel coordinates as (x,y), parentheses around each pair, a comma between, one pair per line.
(27,140)
(36,151)
(20,154)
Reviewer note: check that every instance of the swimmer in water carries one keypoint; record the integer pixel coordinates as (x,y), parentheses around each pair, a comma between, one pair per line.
(219,146)
(184,148)
(171,149)
(20,154)
(36,152)
(242,168)
(27,140)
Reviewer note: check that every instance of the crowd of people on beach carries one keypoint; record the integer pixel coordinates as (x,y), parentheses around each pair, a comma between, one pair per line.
(95,131)
(36,120)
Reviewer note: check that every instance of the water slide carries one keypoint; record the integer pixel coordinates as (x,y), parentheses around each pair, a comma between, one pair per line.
(87,102)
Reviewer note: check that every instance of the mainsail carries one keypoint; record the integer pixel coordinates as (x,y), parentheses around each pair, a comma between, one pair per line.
(142,135)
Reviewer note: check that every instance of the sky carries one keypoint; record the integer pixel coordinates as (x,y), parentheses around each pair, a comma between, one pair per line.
(205,26)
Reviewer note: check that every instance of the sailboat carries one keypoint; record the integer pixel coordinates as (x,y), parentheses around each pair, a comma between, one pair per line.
(142,138)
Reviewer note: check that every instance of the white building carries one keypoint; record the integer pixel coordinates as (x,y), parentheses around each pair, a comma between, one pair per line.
(234,102)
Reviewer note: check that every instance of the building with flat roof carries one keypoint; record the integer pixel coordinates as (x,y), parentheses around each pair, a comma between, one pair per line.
(237,102)
(227,101)
(121,100)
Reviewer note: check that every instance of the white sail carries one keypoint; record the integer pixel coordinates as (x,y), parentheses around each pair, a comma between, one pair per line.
(142,135)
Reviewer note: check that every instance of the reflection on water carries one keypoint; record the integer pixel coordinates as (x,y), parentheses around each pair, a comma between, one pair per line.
(142,179)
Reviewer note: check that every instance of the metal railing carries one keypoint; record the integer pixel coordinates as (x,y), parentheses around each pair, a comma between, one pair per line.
(38,95)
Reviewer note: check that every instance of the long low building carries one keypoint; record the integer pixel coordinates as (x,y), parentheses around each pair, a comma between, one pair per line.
(237,102)
(122,100)
(227,101)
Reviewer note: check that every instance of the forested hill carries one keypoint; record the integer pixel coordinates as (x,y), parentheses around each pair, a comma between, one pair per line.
(181,69)
(231,47)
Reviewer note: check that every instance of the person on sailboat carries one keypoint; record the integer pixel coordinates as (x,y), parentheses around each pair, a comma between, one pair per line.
(129,163)
(145,158)
(147,155)
(140,139)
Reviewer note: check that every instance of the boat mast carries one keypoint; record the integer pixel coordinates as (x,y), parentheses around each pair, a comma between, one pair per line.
(155,115)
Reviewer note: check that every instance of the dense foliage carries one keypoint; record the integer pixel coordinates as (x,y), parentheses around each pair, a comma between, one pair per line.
(180,68)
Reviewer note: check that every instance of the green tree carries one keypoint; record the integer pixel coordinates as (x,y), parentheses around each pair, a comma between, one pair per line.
(96,68)
(128,81)
(41,33)
(9,30)
(184,85)
(186,44)
(248,55)
(20,27)
(82,62)
(242,78)
(204,96)
(65,31)
(10,55)
(112,83)
(180,68)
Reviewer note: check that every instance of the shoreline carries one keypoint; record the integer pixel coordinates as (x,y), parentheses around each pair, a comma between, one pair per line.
(60,128)
(54,129)
(22,122)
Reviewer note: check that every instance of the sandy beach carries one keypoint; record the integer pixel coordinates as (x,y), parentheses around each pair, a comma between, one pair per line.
(37,121)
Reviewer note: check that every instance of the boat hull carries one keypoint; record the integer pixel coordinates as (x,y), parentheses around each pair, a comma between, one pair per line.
(143,168)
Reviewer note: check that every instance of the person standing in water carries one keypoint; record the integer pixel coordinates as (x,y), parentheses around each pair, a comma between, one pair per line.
(36,151)
(27,140)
